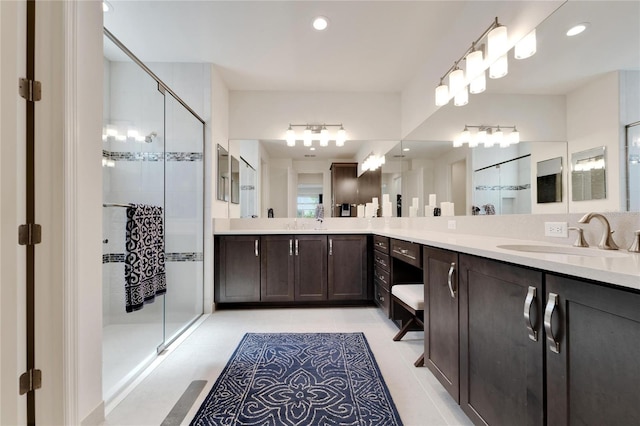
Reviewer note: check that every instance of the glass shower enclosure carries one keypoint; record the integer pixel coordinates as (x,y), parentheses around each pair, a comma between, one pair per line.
(153,146)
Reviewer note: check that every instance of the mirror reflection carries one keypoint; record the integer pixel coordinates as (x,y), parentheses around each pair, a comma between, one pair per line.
(565,99)
(222,192)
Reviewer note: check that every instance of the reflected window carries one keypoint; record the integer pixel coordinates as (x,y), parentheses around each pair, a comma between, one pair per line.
(309,194)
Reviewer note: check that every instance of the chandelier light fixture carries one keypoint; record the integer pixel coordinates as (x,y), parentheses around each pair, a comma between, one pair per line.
(487,136)
(317,132)
(489,51)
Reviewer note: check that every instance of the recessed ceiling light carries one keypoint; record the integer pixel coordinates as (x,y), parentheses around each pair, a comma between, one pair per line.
(577,29)
(320,23)
(406,149)
(106,7)
(312,149)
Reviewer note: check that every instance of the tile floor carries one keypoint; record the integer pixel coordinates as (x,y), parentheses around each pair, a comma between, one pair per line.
(204,352)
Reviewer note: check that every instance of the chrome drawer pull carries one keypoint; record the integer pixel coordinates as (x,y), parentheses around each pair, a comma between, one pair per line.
(296,247)
(330,247)
(552,302)
(528,302)
(450,281)
(290,247)
(404,252)
(256,249)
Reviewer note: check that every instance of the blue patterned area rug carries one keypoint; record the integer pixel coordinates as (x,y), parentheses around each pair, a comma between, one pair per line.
(300,379)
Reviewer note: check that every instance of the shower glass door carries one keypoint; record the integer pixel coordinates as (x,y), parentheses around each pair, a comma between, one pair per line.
(133,145)
(184,221)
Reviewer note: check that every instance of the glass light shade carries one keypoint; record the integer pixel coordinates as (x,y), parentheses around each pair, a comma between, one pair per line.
(457,142)
(465,136)
(514,137)
(478,84)
(474,64)
(462,97)
(499,68)
(489,142)
(498,138)
(497,43)
(324,137)
(481,138)
(526,47)
(456,81)
(121,138)
(112,131)
(306,137)
(442,95)
(291,137)
(341,137)
(473,142)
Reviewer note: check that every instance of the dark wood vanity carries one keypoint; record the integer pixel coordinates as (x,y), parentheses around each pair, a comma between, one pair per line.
(511,344)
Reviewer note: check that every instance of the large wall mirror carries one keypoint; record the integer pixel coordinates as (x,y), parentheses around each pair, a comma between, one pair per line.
(565,99)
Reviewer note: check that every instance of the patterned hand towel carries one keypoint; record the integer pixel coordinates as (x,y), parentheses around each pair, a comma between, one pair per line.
(144,269)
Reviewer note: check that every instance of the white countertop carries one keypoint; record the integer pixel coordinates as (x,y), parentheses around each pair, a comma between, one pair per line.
(622,270)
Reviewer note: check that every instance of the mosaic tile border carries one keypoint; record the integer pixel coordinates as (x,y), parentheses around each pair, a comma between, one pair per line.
(168,257)
(503,187)
(152,156)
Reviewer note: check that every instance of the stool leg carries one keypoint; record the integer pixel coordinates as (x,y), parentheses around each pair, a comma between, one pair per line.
(403,330)
(420,361)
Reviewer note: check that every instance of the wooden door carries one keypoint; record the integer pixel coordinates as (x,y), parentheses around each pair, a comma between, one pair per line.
(277,268)
(441,345)
(593,373)
(238,269)
(501,360)
(310,252)
(348,267)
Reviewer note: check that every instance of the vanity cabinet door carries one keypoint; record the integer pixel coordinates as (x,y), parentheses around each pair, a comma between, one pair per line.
(501,359)
(441,344)
(593,353)
(237,276)
(310,253)
(348,267)
(277,268)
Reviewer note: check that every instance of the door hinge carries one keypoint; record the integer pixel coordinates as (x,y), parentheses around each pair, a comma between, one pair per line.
(29,234)
(31,90)
(30,381)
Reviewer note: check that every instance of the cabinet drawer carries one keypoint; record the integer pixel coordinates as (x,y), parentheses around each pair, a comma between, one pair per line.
(381,260)
(382,298)
(382,277)
(381,243)
(407,252)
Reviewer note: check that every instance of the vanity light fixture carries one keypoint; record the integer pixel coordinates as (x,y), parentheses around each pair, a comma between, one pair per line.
(317,132)
(487,136)
(372,162)
(477,62)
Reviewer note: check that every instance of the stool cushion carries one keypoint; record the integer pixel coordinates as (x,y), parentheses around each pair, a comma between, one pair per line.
(410,294)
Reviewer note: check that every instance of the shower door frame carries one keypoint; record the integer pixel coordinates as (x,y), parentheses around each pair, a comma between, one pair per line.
(163,88)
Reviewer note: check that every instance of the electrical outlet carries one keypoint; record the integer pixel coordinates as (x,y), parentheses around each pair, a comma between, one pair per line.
(556,229)
(451,224)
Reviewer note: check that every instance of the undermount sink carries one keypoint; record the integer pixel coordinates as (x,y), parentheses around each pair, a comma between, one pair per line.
(570,250)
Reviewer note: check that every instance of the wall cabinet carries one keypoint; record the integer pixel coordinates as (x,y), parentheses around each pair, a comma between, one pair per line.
(441,343)
(344,189)
(501,342)
(237,269)
(348,265)
(592,353)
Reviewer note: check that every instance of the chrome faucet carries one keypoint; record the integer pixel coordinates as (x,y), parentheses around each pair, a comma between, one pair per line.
(606,242)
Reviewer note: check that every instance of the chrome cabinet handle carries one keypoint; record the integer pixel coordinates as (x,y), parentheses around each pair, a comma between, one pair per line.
(552,302)
(296,247)
(330,247)
(256,248)
(405,253)
(528,301)
(450,281)
(290,247)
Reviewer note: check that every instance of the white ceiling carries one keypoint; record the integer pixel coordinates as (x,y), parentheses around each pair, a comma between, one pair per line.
(370,45)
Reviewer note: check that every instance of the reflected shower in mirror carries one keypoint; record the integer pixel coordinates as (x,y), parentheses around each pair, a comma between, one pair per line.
(235,180)
(632,144)
(588,175)
(222,192)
